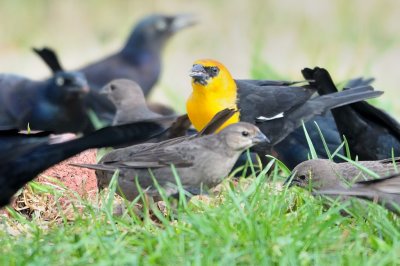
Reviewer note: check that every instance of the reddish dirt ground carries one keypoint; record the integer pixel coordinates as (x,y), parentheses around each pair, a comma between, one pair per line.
(81,180)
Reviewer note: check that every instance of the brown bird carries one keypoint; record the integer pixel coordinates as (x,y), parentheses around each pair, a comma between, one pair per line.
(325,174)
(384,191)
(131,106)
(129,100)
(199,161)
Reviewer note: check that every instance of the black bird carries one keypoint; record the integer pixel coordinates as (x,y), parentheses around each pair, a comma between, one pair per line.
(140,58)
(55,104)
(371,133)
(276,110)
(13,139)
(99,104)
(25,162)
(295,149)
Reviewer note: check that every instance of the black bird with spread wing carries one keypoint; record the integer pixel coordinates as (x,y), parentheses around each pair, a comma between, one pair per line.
(32,155)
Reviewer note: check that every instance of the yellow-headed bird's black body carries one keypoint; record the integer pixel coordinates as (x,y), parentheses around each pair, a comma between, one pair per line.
(275,107)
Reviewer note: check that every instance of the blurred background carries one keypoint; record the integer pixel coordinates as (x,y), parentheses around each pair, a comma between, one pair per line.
(258,38)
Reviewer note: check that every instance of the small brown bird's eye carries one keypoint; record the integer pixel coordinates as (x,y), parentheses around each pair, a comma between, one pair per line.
(302,177)
(245,133)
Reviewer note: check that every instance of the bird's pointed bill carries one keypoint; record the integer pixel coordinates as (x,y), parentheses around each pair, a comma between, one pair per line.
(182,21)
(199,74)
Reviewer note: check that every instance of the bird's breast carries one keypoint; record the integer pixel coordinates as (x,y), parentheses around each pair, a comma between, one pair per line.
(201,110)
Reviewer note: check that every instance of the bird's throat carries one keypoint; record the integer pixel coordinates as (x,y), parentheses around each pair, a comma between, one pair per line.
(202,107)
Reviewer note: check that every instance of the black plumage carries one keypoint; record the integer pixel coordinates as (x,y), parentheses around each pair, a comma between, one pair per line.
(99,104)
(25,162)
(55,104)
(371,133)
(278,110)
(140,58)
(295,149)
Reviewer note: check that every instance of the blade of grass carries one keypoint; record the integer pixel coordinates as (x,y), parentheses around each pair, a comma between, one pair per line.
(323,141)
(309,142)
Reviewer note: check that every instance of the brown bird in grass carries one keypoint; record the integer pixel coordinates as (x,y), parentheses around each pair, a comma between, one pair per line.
(346,179)
(323,174)
(384,191)
(199,161)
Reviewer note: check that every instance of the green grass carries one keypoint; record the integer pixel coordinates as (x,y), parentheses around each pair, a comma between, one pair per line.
(255,223)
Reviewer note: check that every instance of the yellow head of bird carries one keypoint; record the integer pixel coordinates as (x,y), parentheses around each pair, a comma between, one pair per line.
(214,89)
(211,75)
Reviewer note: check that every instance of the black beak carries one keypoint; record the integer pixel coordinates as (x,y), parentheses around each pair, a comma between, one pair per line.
(199,74)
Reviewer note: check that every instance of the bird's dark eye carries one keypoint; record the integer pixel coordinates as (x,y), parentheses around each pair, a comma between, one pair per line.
(302,177)
(245,133)
(214,71)
(113,87)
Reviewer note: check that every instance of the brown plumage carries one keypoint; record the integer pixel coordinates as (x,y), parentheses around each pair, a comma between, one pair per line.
(384,191)
(322,173)
(131,106)
(128,98)
(346,179)
(200,161)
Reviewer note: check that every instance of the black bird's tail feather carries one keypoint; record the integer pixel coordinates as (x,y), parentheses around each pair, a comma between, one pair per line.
(321,104)
(346,97)
(322,80)
(49,56)
(330,97)
(357,82)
